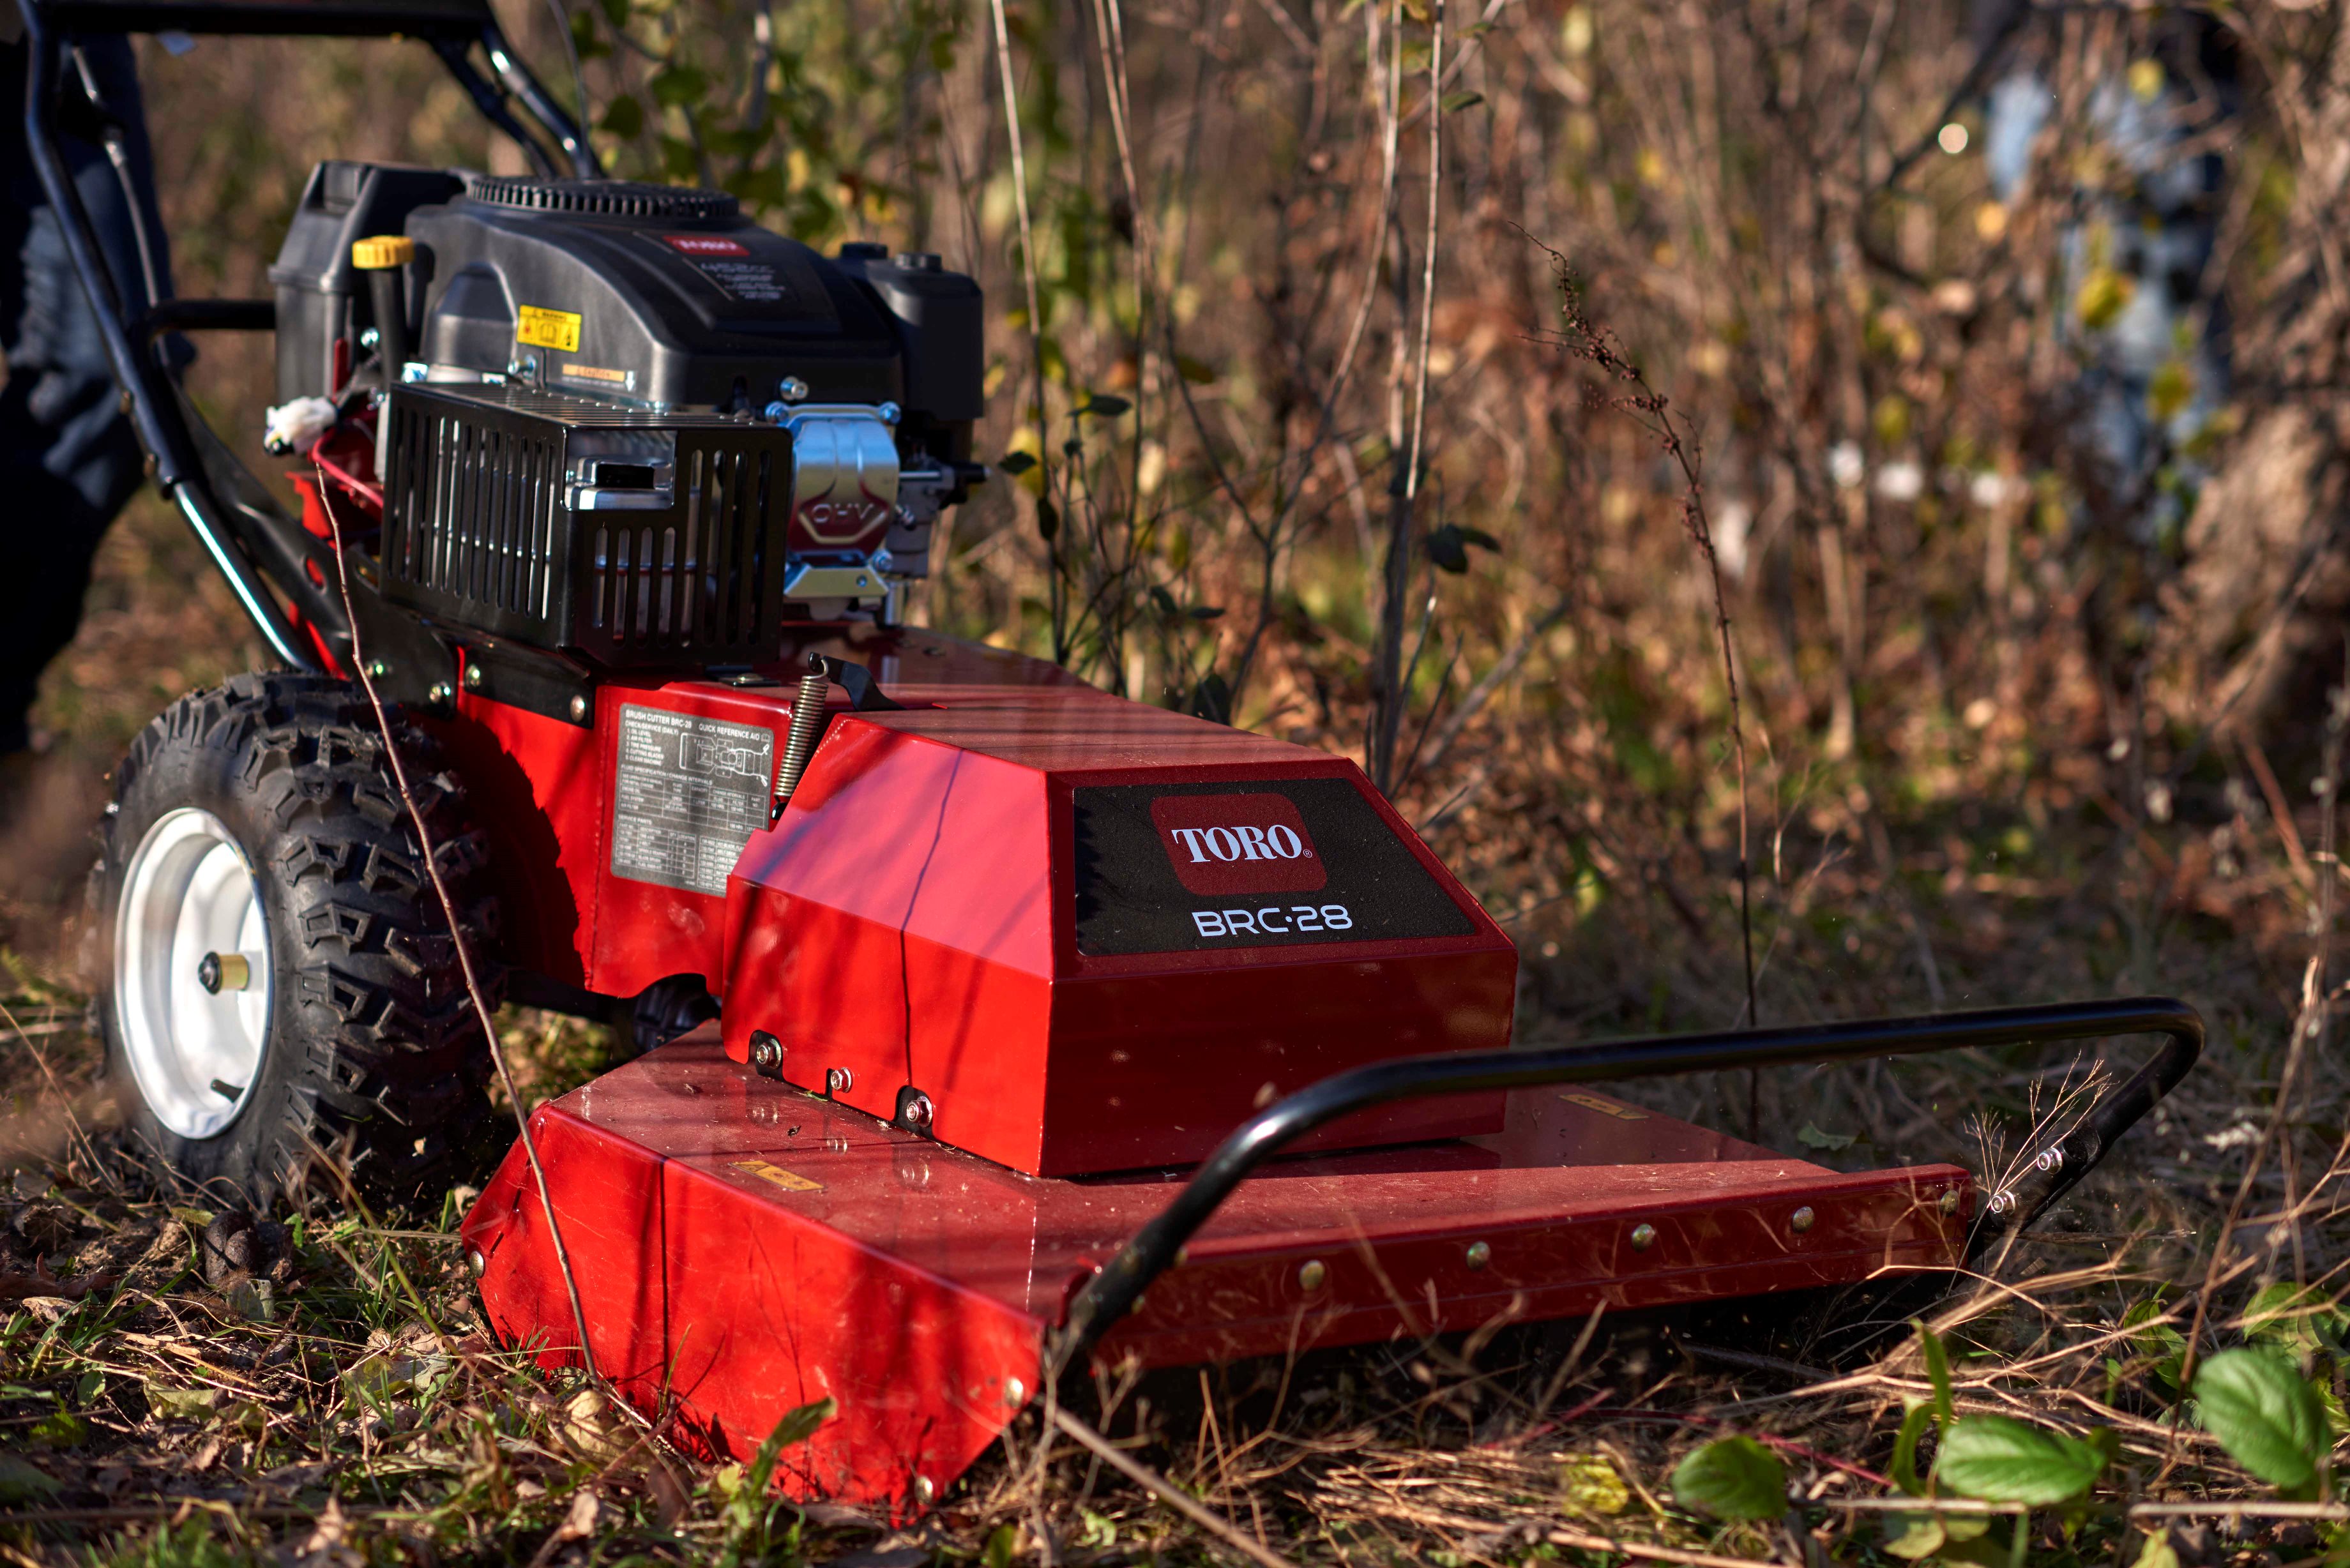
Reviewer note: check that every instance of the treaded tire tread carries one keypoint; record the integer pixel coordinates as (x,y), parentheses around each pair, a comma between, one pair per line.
(374,1047)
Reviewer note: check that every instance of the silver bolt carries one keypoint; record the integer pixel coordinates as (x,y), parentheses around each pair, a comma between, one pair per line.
(440,694)
(1015,1393)
(1311,1274)
(579,709)
(475,1261)
(839,1080)
(472,678)
(1479,1254)
(1951,1201)
(889,412)
(766,1055)
(1644,1235)
(916,1112)
(2051,1158)
(793,390)
(1801,1221)
(923,1490)
(2001,1202)
(378,669)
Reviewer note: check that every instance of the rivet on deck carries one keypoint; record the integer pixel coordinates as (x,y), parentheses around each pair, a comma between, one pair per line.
(1311,1274)
(1644,1235)
(1479,1254)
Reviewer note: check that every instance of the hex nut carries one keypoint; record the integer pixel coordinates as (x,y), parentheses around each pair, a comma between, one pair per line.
(916,1112)
(839,1080)
(1644,1235)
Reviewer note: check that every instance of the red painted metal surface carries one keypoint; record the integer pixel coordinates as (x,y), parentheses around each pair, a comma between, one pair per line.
(748,1248)
(910,919)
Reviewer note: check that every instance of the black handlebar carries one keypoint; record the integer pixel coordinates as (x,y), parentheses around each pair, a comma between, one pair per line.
(1112,1292)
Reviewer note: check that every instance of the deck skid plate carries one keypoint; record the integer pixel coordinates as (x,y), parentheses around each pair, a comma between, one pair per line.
(743,1248)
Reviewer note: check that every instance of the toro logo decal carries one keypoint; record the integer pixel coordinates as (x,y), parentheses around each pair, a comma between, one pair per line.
(705,245)
(1222,843)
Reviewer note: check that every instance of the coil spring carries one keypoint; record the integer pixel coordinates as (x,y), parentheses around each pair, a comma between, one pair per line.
(806,728)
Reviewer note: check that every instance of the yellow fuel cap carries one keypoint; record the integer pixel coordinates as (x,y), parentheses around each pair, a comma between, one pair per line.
(381,251)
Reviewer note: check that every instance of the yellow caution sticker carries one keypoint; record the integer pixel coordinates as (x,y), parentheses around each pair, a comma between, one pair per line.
(544,329)
(1605,1107)
(789,1181)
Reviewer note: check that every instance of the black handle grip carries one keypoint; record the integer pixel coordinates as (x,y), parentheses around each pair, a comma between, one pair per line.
(1112,1292)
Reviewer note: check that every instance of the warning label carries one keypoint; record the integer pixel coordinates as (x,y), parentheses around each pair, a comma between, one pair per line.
(687,795)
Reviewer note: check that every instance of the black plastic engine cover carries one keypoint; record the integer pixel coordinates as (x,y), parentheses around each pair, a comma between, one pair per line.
(646,294)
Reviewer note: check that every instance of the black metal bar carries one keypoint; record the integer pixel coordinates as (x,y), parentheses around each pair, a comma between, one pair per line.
(491,106)
(459,19)
(153,411)
(207,316)
(1112,1293)
(533,95)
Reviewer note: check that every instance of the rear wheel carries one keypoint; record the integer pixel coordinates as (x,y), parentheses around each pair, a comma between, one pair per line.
(280,977)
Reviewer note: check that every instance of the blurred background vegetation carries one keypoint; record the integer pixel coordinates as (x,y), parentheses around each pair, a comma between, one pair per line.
(2005,339)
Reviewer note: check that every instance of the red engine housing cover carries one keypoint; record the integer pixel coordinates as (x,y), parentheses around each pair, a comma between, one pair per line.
(1094,934)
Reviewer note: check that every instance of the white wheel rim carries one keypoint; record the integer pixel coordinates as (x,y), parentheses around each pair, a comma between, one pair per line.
(196,1053)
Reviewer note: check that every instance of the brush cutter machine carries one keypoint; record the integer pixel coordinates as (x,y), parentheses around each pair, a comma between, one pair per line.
(1021,1028)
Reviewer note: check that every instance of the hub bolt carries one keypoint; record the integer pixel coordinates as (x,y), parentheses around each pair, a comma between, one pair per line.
(1801,1219)
(1479,1254)
(1311,1274)
(217,972)
(1644,1235)
(1951,1201)
(839,1080)
(472,678)
(579,709)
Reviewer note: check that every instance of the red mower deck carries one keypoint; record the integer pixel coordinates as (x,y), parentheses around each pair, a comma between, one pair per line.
(743,1247)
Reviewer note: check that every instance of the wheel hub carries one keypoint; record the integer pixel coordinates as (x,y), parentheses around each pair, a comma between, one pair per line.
(192,972)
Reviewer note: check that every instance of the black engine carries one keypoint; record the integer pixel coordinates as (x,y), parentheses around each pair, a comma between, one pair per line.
(623,421)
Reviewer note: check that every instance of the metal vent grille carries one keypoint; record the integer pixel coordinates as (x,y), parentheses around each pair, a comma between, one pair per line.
(479,511)
(480,533)
(695,577)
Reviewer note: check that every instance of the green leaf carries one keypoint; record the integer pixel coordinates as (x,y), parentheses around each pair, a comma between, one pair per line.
(22,1482)
(616,13)
(1196,372)
(1732,1477)
(796,1427)
(1104,406)
(1938,1372)
(1913,1535)
(1904,1448)
(679,86)
(1015,464)
(2001,1459)
(1000,1545)
(1592,1485)
(2157,1552)
(1812,1136)
(1206,612)
(1048,521)
(1213,699)
(2156,1339)
(1452,102)
(2265,1413)
(2298,1319)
